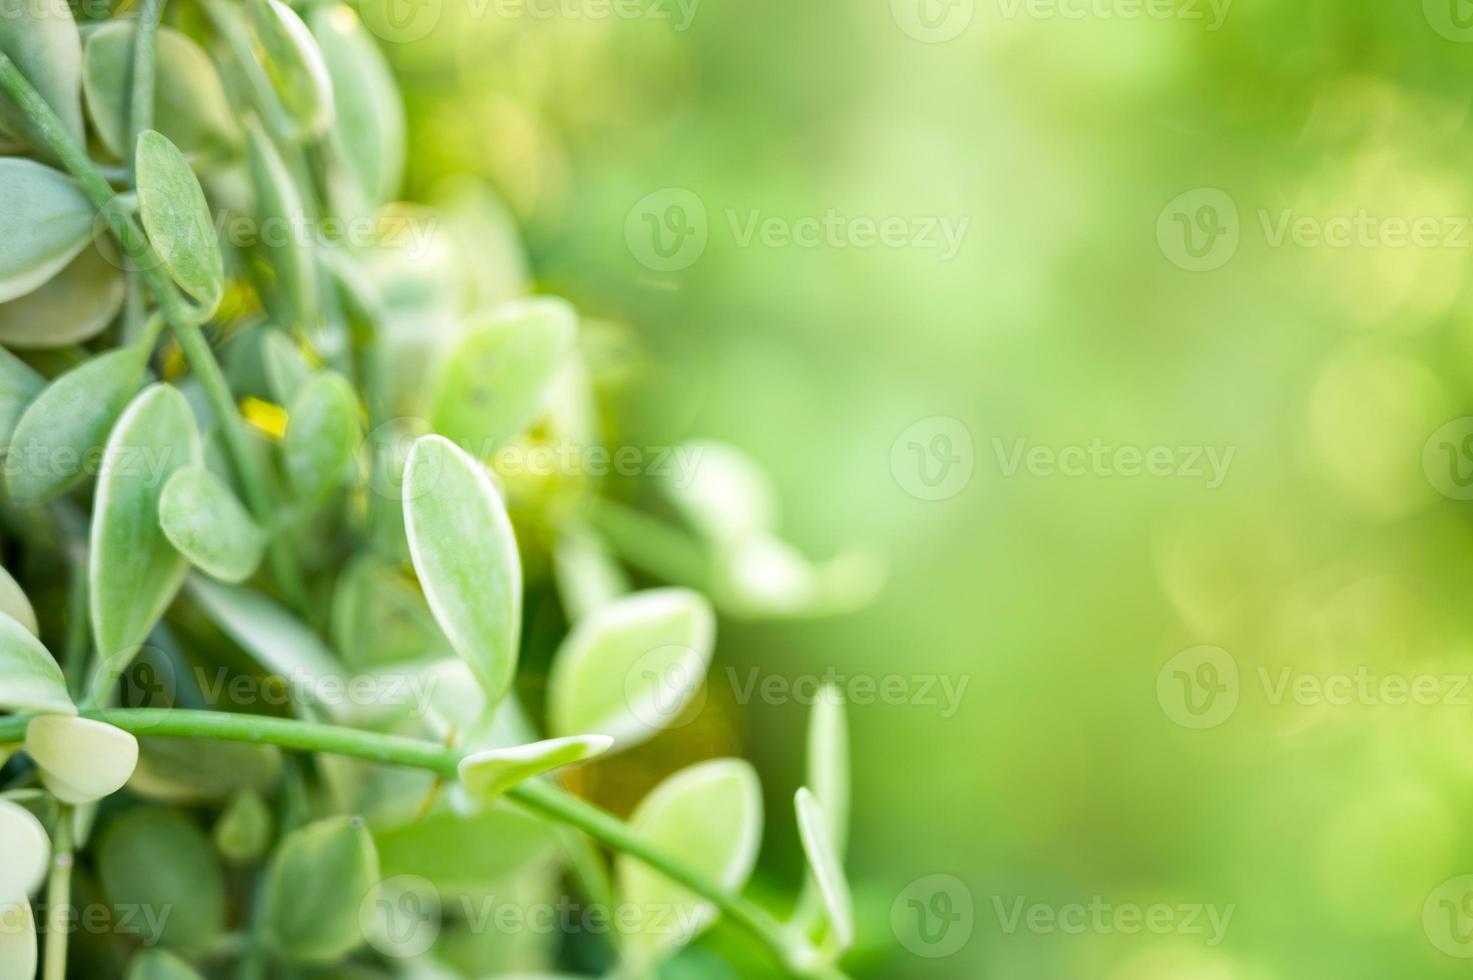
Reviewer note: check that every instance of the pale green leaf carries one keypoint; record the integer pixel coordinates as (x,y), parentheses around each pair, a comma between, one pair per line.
(178,220)
(287,370)
(368,133)
(13,603)
(764,576)
(465,553)
(17,939)
(588,576)
(30,678)
(81,760)
(491,772)
(267,631)
(206,523)
(41,37)
(152,858)
(823,860)
(451,850)
(279,206)
(294,63)
(159,964)
(828,761)
(25,850)
(243,832)
(380,617)
(494,383)
(632,666)
(190,107)
(321,433)
(75,305)
(315,885)
(709,817)
(56,440)
(48,220)
(721,492)
(19,386)
(134,572)
(191,770)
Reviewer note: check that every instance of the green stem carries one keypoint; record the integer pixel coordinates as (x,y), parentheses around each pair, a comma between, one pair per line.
(176,310)
(539,797)
(145,48)
(59,899)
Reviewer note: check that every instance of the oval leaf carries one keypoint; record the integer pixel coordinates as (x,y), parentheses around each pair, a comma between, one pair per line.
(150,858)
(13,603)
(294,64)
(41,37)
(279,205)
(134,572)
(321,433)
(159,964)
(203,520)
(486,775)
(243,832)
(368,134)
(58,435)
(17,939)
(708,816)
(48,220)
(25,850)
(828,870)
(630,668)
(74,305)
(465,553)
(722,492)
(19,386)
(177,218)
(316,883)
(81,760)
(495,382)
(287,370)
(30,679)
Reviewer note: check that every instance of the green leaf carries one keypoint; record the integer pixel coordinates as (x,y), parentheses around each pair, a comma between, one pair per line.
(709,817)
(41,37)
(321,433)
(823,859)
(494,383)
(25,851)
(19,386)
(380,617)
(277,639)
(134,572)
(153,858)
(202,519)
(74,305)
(48,220)
(588,576)
(490,773)
(828,762)
(450,849)
(243,832)
(159,964)
(178,220)
(58,434)
(764,576)
(191,770)
(279,206)
(287,370)
(317,881)
(190,107)
(632,666)
(465,553)
(81,760)
(30,679)
(721,492)
(13,603)
(368,133)
(294,63)
(17,939)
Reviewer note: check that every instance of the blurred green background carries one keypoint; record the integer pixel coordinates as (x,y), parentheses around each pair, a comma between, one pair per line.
(1081,143)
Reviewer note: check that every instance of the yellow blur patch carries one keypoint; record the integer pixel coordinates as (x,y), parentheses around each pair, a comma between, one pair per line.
(265,416)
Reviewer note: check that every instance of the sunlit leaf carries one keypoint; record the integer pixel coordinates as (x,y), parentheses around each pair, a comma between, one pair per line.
(490,773)
(152,858)
(465,553)
(17,939)
(30,679)
(41,37)
(823,860)
(74,305)
(767,577)
(25,850)
(630,668)
(57,437)
(709,817)
(828,762)
(48,220)
(316,882)
(294,63)
(81,760)
(206,523)
(722,492)
(368,134)
(178,220)
(13,603)
(321,433)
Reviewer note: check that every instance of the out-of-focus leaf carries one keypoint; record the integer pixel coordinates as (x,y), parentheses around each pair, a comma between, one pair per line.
(321,433)
(41,37)
(190,107)
(48,220)
(81,760)
(823,860)
(379,617)
(632,666)
(30,679)
(279,207)
(134,572)
(708,816)
(202,519)
(490,773)
(243,832)
(588,577)
(314,887)
(722,492)
(449,849)
(159,964)
(19,386)
(368,131)
(177,218)
(294,63)
(25,851)
(278,640)
(764,576)
(186,770)
(17,939)
(59,433)
(494,383)
(828,762)
(465,553)
(287,371)
(156,859)
(74,305)
(13,603)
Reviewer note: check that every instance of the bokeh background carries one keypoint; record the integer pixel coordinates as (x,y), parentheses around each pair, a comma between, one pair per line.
(1124,170)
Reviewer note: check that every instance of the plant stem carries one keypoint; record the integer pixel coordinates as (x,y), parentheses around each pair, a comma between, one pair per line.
(145,48)
(540,797)
(176,310)
(59,899)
